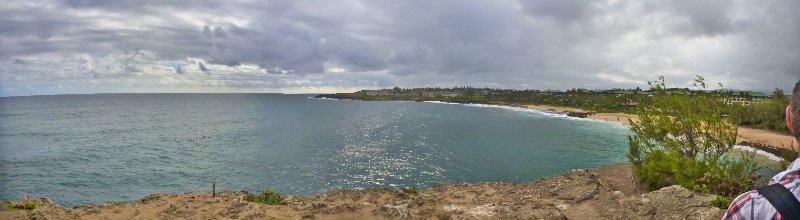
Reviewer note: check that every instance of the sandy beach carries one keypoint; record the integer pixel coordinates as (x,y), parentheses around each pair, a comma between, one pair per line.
(745,134)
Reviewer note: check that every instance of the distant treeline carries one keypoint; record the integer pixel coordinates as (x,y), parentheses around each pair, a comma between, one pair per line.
(614,100)
(761,111)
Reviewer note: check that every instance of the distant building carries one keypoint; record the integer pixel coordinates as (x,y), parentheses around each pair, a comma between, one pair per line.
(426,94)
(744,98)
(442,94)
(377,92)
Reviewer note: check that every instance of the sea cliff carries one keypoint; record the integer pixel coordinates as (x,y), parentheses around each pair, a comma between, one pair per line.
(602,193)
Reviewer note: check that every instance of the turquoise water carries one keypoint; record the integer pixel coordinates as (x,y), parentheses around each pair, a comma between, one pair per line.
(79,149)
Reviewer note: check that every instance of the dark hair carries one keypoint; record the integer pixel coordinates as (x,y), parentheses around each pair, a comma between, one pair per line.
(796,110)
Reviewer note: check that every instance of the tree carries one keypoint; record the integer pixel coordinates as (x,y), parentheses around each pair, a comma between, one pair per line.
(686,124)
(778,94)
(680,138)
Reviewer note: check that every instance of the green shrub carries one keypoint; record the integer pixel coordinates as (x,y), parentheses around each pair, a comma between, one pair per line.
(27,205)
(410,190)
(721,201)
(30,205)
(730,177)
(249,196)
(268,197)
(680,139)
(661,168)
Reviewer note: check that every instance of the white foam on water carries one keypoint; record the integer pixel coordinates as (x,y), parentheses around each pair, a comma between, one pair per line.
(757,152)
(512,108)
(535,111)
(548,113)
(440,102)
(322,98)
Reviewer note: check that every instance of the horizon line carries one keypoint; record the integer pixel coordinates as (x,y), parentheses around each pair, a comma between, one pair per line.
(317,93)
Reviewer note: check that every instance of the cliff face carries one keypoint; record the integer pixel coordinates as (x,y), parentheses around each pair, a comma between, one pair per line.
(578,194)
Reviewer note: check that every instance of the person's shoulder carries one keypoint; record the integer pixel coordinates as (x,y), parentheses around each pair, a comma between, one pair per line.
(790,175)
(752,202)
(741,200)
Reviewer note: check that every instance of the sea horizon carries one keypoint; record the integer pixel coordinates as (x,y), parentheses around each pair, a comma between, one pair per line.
(122,93)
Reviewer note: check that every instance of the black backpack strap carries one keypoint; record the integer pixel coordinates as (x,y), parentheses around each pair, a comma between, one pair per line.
(782,199)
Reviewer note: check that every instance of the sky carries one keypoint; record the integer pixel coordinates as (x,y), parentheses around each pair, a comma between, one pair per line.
(322,46)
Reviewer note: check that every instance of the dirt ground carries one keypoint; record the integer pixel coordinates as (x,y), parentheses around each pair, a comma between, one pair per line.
(619,177)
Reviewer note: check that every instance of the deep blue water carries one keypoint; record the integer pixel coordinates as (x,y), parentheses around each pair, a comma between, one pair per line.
(79,149)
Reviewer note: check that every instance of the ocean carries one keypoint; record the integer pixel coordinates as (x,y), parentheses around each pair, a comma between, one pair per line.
(79,149)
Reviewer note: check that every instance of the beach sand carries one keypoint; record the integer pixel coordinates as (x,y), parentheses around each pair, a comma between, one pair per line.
(752,135)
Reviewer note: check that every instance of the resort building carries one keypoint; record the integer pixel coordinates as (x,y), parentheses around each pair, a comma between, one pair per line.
(442,94)
(745,98)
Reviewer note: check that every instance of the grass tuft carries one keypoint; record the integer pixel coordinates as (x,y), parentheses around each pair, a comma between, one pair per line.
(268,197)
(410,190)
(27,205)
(721,201)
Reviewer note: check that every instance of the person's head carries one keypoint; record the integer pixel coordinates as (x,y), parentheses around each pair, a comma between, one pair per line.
(793,113)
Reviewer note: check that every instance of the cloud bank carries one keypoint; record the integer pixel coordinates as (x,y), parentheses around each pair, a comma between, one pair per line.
(88,46)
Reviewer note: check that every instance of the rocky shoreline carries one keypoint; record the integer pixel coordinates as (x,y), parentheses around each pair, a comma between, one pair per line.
(602,193)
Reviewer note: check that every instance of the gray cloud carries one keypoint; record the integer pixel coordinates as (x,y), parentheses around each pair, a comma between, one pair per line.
(179,70)
(560,10)
(706,17)
(202,67)
(348,44)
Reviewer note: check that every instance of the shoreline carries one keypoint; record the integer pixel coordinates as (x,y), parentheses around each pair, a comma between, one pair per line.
(600,193)
(744,135)
(621,118)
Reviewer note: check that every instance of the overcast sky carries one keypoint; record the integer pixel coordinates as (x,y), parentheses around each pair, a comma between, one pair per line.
(93,46)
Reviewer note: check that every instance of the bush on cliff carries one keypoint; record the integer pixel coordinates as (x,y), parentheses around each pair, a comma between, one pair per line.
(27,205)
(410,190)
(681,139)
(721,201)
(268,197)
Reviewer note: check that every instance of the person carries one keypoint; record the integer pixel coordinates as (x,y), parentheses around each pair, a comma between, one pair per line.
(758,203)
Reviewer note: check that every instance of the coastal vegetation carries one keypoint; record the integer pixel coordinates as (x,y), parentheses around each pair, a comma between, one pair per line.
(268,197)
(410,190)
(681,139)
(613,100)
(26,205)
(721,201)
(767,114)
